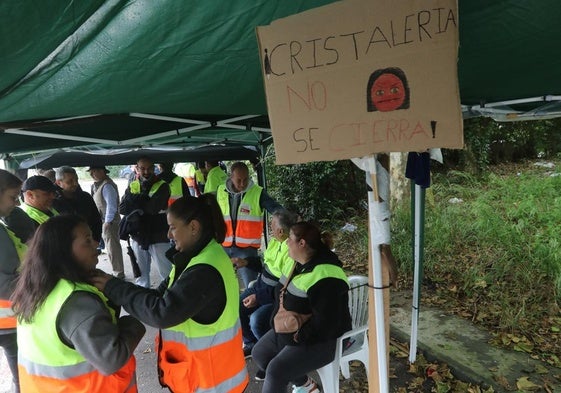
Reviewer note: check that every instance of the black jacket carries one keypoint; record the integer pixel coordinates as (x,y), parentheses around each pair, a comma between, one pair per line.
(327,301)
(83,205)
(153,224)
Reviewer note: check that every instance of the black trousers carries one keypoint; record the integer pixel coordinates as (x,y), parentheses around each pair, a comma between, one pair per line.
(10,344)
(285,361)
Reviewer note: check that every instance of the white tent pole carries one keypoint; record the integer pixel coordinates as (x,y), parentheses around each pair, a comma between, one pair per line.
(417,272)
(378,289)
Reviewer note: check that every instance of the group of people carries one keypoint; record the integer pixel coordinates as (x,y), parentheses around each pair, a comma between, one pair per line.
(70,333)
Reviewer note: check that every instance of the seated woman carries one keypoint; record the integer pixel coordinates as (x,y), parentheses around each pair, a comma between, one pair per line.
(70,338)
(196,307)
(317,288)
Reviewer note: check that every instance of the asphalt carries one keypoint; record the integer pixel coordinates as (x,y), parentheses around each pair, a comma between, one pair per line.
(442,337)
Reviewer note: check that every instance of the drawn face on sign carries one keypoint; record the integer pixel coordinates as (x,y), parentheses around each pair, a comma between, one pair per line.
(387,90)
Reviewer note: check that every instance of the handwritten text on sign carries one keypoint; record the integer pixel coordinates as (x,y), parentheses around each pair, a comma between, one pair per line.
(350,80)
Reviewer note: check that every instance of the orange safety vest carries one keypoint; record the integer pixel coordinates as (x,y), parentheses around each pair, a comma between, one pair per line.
(249,222)
(7,317)
(194,357)
(46,364)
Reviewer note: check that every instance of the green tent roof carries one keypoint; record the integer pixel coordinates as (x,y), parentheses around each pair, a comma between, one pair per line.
(119,73)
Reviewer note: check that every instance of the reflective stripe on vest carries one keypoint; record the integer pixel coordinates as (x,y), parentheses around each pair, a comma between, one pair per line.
(175,189)
(46,364)
(7,316)
(249,223)
(210,355)
(36,214)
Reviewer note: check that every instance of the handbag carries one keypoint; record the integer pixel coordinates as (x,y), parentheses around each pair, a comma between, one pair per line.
(286,321)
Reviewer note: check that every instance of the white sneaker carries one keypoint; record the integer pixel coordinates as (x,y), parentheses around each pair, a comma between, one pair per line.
(310,387)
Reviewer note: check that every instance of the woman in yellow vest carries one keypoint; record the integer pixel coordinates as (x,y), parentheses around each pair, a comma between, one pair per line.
(315,286)
(11,254)
(196,308)
(70,339)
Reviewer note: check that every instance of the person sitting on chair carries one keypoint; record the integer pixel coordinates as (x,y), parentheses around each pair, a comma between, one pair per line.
(316,289)
(256,302)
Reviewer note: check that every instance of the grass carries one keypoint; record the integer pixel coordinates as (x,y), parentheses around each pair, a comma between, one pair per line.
(494,256)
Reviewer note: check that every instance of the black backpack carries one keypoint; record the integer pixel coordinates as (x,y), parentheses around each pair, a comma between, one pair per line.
(130,224)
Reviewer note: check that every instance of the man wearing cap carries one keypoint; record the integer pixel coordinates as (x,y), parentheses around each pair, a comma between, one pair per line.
(149,195)
(38,196)
(73,200)
(106,197)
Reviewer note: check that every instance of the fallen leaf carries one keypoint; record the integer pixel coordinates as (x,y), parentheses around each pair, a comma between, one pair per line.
(526,385)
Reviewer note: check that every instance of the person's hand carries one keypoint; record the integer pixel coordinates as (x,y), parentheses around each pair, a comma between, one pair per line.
(250,301)
(239,262)
(106,226)
(99,278)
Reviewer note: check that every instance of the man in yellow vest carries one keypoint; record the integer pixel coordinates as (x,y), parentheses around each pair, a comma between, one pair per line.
(215,176)
(177,186)
(148,196)
(243,204)
(38,196)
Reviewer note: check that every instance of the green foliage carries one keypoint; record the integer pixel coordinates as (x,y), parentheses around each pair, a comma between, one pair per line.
(498,246)
(488,142)
(328,192)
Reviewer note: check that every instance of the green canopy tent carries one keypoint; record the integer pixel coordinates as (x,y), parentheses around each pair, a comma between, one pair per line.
(131,74)
(117,73)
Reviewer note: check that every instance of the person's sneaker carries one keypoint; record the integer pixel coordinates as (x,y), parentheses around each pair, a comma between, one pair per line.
(310,387)
(247,350)
(260,375)
(120,275)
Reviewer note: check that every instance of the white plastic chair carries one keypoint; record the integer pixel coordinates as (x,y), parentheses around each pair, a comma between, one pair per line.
(358,306)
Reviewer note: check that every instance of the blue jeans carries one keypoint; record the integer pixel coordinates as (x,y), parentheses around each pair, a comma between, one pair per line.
(156,252)
(247,275)
(255,321)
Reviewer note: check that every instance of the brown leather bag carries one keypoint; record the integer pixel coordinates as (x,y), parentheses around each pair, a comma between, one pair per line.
(286,321)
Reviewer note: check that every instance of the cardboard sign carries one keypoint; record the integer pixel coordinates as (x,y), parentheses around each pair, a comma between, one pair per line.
(362,76)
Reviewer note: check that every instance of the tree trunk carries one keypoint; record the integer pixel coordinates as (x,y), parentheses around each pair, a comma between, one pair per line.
(399,184)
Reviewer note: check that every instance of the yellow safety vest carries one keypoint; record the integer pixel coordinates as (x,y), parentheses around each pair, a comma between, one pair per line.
(36,214)
(193,357)
(46,364)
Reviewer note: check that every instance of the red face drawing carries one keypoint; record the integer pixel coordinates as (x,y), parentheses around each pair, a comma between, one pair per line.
(388,93)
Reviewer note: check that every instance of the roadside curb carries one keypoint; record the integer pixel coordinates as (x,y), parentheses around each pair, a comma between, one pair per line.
(466,349)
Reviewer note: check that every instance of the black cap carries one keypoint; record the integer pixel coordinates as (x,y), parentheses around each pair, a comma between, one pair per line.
(39,183)
(98,167)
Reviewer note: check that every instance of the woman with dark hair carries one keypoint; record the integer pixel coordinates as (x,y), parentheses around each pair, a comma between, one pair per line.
(12,251)
(196,307)
(316,288)
(70,338)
